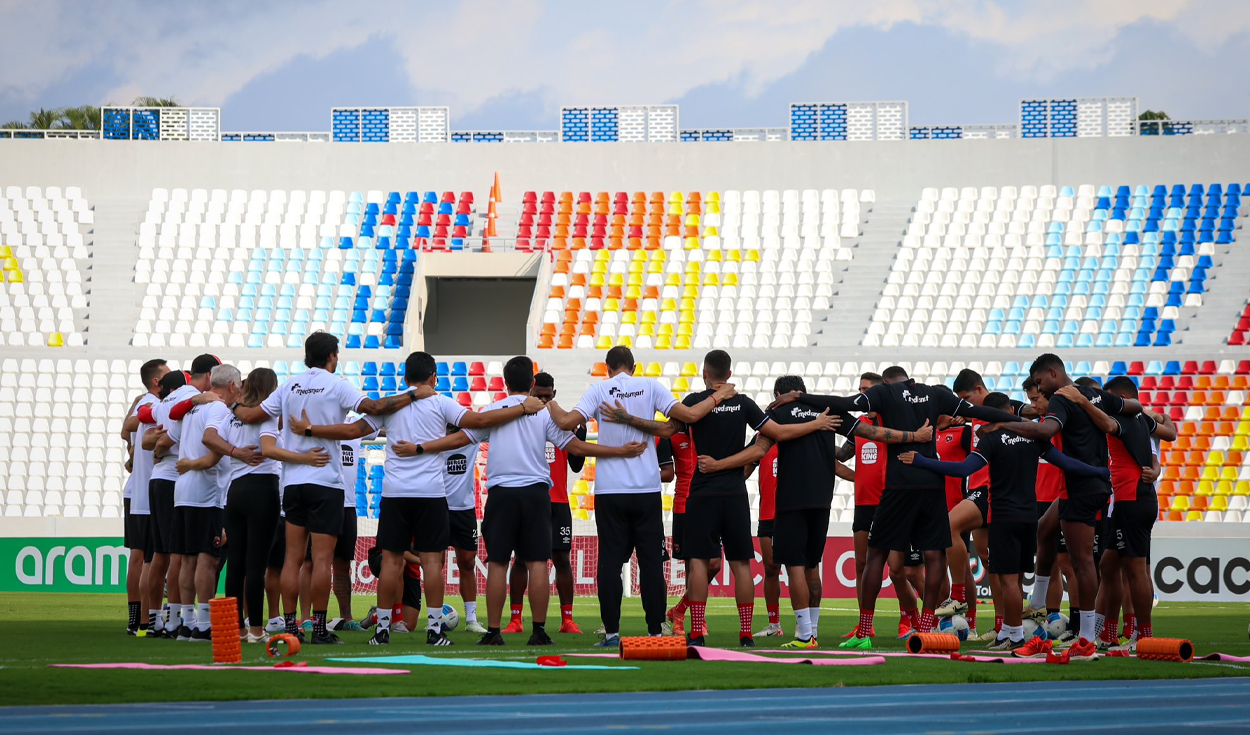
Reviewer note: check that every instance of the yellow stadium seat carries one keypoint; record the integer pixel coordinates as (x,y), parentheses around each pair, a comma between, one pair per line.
(604,343)
(654,370)
(714,256)
(634,291)
(692,243)
(55,339)
(646,330)
(625,340)
(664,342)
(649,317)
(1210,473)
(581,515)
(731,279)
(712,196)
(666,502)
(1241,443)
(14,276)
(1180,502)
(689,369)
(581,487)
(685,329)
(687,304)
(711,231)
(712,279)
(753,256)
(1220,503)
(735,256)
(1242,488)
(675,208)
(1215,458)
(692,220)
(712,208)
(5,252)
(676,196)
(616,279)
(1205,487)
(690,292)
(611,305)
(686,317)
(681,384)
(629,317)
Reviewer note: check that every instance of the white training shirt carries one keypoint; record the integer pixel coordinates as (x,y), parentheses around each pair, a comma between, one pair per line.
(202,488)
(424,421)
(269,427)
(141,465)
(351,457)
(458,476)
(327,398)
(518,449)
(164,469)
(642,397)
(238,434)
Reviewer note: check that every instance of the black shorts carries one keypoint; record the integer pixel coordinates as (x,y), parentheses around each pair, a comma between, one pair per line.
(716,520)
(800,537)
(517,520)
(1087,509)
(913,557)
(345,546)
(161,522)
(412,524)
(765,528)
(1133,521)
(911,518)
(863,518)
(462,529)
(139,533)
(679,530)
(197,530)
(980,496)
(561,527)
(1013,547)
(318,508)
(412,592)
(277,551)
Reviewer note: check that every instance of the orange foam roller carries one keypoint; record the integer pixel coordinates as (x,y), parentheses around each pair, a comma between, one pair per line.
(933,643)
(292,645)
(1165,649)
(647,648)
(225,612)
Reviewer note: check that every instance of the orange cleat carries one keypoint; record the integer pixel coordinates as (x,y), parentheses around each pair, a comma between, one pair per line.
(1082,650)
(568,626)
(1034,648)
(678,623)
(514,626)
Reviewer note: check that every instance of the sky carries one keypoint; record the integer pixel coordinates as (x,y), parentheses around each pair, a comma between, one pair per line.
(280,65)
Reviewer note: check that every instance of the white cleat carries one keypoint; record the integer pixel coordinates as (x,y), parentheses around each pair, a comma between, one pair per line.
(772,631)
(399,627)
(275,625)
(475,627)
(951,607)
(601,630)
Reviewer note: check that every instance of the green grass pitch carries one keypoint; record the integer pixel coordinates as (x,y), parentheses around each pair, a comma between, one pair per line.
(41,629)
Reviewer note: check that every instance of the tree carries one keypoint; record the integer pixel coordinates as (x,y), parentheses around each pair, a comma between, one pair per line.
(156,102)
(1152,115)
(83,117)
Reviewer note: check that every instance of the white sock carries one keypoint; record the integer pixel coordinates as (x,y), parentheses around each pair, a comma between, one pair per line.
(1037,598)
(204,618)
(470,611)
(188,615)
(157,622)
(384,618)
(1015,632)
(803,623)
(434,619)
(814,614)
(1087,625)
(1004,632)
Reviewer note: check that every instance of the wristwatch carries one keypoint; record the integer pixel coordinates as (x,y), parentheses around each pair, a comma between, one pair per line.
(412,395)
(308,431)
(233,406)
(420,450)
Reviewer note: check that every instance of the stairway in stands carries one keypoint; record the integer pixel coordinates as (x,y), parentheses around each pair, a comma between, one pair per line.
(114,304)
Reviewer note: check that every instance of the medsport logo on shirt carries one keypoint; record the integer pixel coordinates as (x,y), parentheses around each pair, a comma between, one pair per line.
(907,396)
(803,413)
(305,391)
(727,408)
(616,392)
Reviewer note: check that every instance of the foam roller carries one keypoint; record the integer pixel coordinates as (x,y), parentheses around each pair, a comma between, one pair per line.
(647,648)
(1165,649)
(292,645)
(224,613)
(933,643)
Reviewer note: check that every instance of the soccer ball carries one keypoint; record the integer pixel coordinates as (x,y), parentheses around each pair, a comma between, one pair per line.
(1056,628)
(1033,630)
(956,625)
(451,618)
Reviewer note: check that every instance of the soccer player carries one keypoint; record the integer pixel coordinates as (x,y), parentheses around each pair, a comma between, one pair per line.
(1087,497)
(1012,461)
(764,532)
(1050,488)
(461,481)
(345,547)
(313,496)
(413,511)
(628,511)
(685,459)
(912,511)
(1134,467)
(138,517)
(559,462)
(806,466)
(200,495)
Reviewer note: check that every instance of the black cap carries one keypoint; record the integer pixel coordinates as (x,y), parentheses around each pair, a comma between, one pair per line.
(172,381)
(204,364)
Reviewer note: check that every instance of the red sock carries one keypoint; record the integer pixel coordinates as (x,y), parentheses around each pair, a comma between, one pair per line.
(566,612)
(927,620)
(998,622)
(1145,631)
(865,624)
(516,611)
(1111,631)
(680,608)
(1130,625)
(698,618)
(959,593)
(972,618)
(913,617)
(774,614)
(746,615)
(397,613)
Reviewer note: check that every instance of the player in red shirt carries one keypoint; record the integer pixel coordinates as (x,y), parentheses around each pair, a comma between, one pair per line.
(685,460)
(1050,488)
(764,532)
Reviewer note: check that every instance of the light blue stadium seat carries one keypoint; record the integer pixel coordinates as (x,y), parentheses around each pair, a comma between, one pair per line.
(1066,191)
(1065,341)
(255,340)
(1026,341)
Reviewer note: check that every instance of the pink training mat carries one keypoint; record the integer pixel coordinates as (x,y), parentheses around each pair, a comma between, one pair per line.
(198,667)
(1224,657)
(721,654)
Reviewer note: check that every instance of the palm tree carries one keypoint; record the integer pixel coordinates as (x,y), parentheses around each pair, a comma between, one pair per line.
(156,102)
(42,119)
(83,117)
(14,125)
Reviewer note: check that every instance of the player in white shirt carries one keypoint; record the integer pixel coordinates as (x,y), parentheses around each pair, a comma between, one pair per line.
(413,512)
(351,458)
(460,478)
(628,513)
(312,496)
(138,514)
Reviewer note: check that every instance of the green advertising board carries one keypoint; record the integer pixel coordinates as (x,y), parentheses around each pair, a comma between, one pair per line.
(63,564)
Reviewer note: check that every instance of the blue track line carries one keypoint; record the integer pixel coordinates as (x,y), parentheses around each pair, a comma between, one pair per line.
(1213,705)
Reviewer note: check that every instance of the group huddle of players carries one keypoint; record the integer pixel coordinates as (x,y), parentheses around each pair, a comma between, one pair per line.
(1060,486)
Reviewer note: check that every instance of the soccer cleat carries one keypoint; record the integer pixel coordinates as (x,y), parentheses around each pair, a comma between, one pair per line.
(609,641)
(568,626)
(601,630)
(1125,648)
(851,633)
(350,626)
(490,639)
(184,633)
(275,625)
(988,636)
(132,631)
(772,631)
(1102,645)
(381,637)
(951,607)
(515,626)
(799,643)
(1038,616)
(857,643)
(1033,648)
(746,641)
(674,623)
(972,635)
(697,641)
(1005,644)
(306,626)
(1066,639)
(540,638)
(262,638)
(905,630)
(474,626)
(324,639)
(1082,650)
(1061,658)
(436,638)
(399,627)
(201,636)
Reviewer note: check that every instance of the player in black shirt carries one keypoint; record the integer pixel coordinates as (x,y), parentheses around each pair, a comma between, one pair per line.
(1012,460)
(1084,439)
(806,467)
(912,511)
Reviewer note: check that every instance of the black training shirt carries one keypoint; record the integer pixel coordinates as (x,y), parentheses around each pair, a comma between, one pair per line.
(1013,475)
(805,466)
(720,434)
(1082,440)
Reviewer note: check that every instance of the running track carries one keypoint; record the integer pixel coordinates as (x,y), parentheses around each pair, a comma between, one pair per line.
(1213,705)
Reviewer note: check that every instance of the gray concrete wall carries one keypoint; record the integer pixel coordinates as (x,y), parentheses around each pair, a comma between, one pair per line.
(112,169)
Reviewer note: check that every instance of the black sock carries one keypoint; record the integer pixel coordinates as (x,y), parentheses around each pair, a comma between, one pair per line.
(493,631)
(540,627)
(134,616)
(289,619)
(1052,610)
(1074,613)
(319,622)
